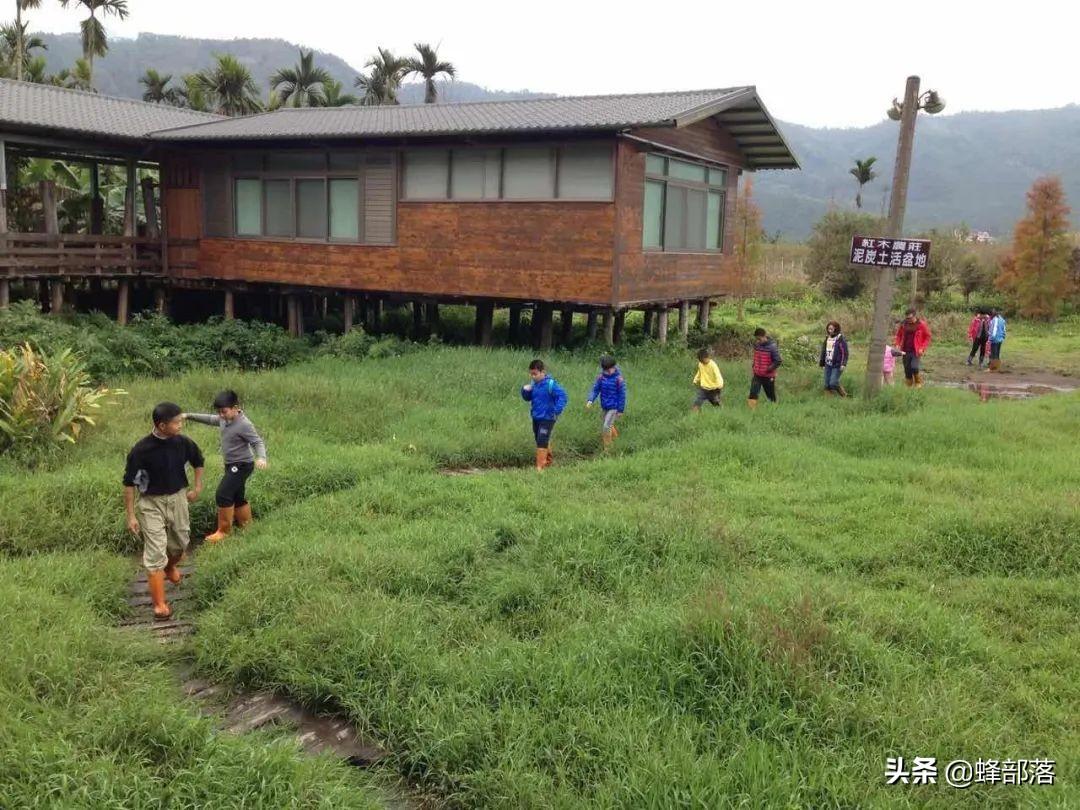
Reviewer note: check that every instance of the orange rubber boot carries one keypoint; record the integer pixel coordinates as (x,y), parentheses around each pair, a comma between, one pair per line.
(243,515)
(224,524)
(155,584)
(541,459)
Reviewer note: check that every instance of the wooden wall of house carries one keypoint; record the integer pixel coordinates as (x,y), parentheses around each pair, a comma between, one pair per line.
(642,275)
(183,209)
(557,251)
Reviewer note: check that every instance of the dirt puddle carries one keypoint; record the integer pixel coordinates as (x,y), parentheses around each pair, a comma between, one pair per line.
(1006,389)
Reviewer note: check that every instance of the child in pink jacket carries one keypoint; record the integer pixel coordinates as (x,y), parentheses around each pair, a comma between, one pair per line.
(888,363)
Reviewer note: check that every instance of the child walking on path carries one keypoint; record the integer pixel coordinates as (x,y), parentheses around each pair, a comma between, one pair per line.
(156,469)
(243,450)
(610,388)
(996,336)
(766,362)
(913,339)
(834,357)
(547,400)
(888,363)
(709,381)
(978,333)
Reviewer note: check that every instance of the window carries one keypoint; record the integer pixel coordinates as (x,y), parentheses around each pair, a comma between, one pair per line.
(345,209)
(585,172)
(311,209)
(277,195)
(248,207)
(528,173)
(474,174)
(683,206)
(426,174)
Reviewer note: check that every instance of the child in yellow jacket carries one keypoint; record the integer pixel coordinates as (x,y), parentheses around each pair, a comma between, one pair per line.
(709,382)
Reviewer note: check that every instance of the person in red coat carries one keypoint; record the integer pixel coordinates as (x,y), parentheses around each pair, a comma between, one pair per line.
(913,339)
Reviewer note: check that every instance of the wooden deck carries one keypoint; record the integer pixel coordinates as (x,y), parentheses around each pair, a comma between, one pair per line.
(47,256)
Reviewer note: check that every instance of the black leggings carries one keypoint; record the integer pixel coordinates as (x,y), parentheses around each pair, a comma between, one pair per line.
(978,346)
(995,351)
(230,491)
(758,383)
(911,365)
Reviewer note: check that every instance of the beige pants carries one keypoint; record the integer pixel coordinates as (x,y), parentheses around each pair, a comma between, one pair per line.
(164,525)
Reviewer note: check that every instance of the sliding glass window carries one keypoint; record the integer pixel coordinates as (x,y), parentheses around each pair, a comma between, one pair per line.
(683,208)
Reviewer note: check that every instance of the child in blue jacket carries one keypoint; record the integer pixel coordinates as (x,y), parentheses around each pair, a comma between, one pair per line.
(610,388)
(548,401)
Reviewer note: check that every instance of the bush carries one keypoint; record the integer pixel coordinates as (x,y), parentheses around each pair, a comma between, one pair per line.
(44,401)
(830,243)
(359,345)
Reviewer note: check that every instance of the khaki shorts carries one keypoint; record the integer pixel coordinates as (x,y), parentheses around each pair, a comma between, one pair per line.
(165,527)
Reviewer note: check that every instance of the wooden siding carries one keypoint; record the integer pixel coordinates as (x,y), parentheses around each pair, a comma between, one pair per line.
(707,139)
(641,275)
(379,196)
(557,251)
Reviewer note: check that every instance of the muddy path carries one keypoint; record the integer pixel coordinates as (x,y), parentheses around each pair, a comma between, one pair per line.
(947,367)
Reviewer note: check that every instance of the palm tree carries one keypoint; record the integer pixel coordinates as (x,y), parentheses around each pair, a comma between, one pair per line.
(863,174)
(20,50)
(303,84)
(334,97)
(229,87)
(94,40)
(192,95)
(35,71)
(428,66)
(157,89)
(381,83)
(77,78)
(17,45)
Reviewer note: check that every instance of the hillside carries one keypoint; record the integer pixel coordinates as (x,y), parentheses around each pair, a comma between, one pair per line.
(970,167)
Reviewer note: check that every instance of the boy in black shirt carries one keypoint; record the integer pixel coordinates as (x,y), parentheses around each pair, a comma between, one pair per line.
(156,468)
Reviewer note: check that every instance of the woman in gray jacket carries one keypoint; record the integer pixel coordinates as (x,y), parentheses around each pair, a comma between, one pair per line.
(243,450)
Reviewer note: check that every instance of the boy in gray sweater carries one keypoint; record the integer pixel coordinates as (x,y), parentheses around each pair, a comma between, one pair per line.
(243,450)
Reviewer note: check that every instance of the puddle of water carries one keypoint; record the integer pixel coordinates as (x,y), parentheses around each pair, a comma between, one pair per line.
(1005,390)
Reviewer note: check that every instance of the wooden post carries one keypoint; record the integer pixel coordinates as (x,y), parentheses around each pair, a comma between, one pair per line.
(514,332)
(97,209)
(662,326)
(433,316)
(542,326)
(648,328)
(296,316)
(5,285)
(684,319)
(417,318)
(591,323)
(349,314)
(485,318)
(230,305)
(703,313)
(620,323)
(56,297)
(150,207)
(129,214)
(375,312)
(123,296)
(5,293)
(48,206)
(566,324)
(160,303)
(609,327)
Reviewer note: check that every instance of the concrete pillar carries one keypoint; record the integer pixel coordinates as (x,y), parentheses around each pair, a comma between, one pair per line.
(566,327)
(684,319)
(514,335)
(123,298)
(609,327)
(591,323)
(349,313)
(620,323)
(230,305)
(485,317)
(648,328)
(703,312)
(662,325)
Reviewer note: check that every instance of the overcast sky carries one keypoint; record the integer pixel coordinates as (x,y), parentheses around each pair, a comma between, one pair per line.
(825,63)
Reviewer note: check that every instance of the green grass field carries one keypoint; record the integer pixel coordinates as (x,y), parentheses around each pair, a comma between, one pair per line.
(734,608)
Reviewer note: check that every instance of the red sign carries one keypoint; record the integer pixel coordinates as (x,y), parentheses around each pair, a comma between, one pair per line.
(874,251)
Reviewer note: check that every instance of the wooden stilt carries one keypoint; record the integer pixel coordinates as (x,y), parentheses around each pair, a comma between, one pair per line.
(348,314)
(485,321)
(609,327)
(432,308)
(123,298)
(648,328)
(514,331)
(160,303)
(703,313)
(292,311)
(56,297)
(591,324)
(566,327)
(620,323)
(5,293)
(417,318)
(97,205)
(662,326)
(375,313)
(684,319)
(542,326)
(230,305)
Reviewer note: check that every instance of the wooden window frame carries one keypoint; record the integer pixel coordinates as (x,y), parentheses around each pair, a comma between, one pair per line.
(678,182)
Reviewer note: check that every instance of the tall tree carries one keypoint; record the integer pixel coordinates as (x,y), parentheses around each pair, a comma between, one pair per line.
(157,87)
(94,40)
(334,97)
(17,45)
(303,85)
(428,66)
(380,84)
(20,52)
(1035,273)
(192,93)
(229,87)
(76,78)
(863,173)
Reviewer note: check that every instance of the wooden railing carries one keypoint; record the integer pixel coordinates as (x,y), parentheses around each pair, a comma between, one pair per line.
(44,255)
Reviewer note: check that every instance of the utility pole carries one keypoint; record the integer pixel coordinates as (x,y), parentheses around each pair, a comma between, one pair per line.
(894,229)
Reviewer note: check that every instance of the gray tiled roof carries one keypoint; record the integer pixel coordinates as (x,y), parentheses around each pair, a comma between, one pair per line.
(42,106)
(547,114)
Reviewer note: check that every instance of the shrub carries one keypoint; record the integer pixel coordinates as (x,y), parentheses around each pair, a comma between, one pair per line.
(44,400)
(830,243)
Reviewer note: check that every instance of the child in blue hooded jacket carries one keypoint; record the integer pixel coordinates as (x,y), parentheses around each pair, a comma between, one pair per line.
(548,400)
(610,388)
